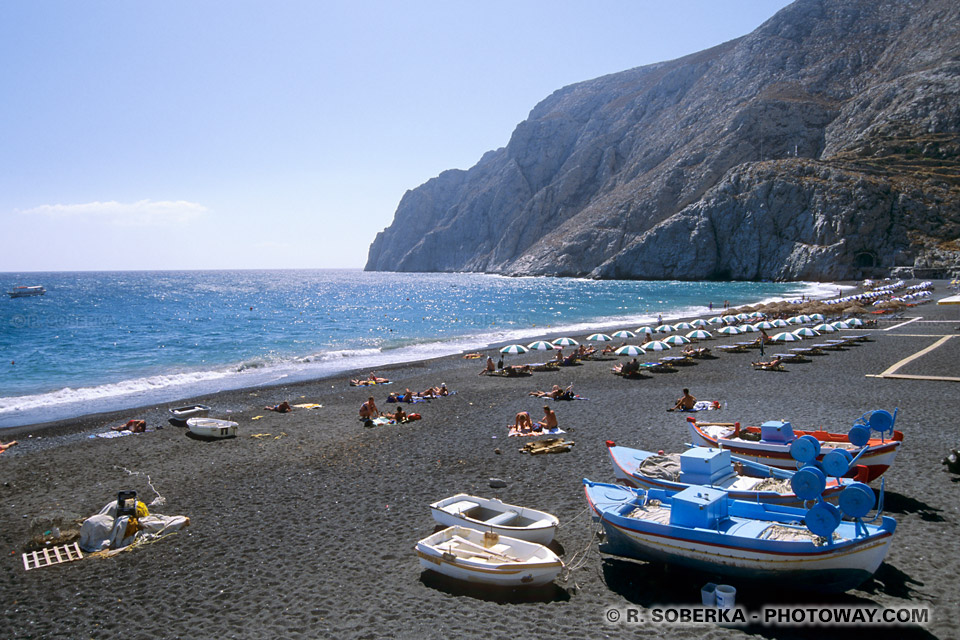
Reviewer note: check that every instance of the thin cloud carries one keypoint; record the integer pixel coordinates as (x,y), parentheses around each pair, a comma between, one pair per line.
(140,213)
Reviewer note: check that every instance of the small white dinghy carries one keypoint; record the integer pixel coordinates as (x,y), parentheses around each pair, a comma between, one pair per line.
(212,428)
(191,411)
(489,514)
(488,558)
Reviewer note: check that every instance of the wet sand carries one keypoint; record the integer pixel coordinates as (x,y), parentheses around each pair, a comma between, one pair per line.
(308,532)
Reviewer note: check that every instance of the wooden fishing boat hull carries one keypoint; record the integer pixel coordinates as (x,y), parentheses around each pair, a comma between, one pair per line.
(507,562)
(490,514)
(833,567)
(212,428)
(877,459)
(626,467)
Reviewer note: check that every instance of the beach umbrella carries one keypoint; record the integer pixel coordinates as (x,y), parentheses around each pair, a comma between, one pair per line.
(682,326)
(599,337)
(764,324)
(675,340)
(805,332)
(757,314)
(729,319)
(855,322)
(747,328)
(805,318)
(565,342)
(700,334)
(743,316)
(514,349)
(785,337)
(629,350)
(541,345)
(795,320)
(816,317)
(779,322)
(656,345)
(645,330)
(666,328)
(700,322)
(825,328)
(730,331)
(623,333)
(715,320)
(840,324)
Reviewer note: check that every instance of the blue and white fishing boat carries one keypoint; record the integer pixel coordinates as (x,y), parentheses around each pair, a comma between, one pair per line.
(742,479)
(704,529)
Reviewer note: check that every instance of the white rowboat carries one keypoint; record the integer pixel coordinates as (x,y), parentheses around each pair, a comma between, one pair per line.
(490,514)
(212,428)
(488,558)
(191,411)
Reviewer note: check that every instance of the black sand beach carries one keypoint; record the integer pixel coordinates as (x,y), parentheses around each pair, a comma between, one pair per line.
(308,532)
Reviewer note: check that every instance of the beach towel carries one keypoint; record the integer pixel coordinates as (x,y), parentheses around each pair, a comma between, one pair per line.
(367,383)
(705,405)
(308,405)
(571,397)
(112,434)
(545,432)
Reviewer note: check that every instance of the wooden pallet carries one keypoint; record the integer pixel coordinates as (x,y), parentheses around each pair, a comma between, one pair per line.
(52,555)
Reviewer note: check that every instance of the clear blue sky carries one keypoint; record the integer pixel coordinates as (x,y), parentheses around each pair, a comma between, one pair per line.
(193,134)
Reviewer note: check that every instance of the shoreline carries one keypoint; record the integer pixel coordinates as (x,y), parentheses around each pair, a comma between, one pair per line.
(309,519)
(460,344)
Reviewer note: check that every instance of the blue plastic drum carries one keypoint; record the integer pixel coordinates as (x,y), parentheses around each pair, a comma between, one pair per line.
(808,483)
(823,519)
(857,500)
(836,463)
(859,435)
(881,421)
(805,449)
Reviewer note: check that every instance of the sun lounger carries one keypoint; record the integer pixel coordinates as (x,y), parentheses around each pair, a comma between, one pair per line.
(657,367)
(731,348)
(678,361)
(791,357)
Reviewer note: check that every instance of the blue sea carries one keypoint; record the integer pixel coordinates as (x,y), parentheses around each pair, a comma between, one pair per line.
(100,341)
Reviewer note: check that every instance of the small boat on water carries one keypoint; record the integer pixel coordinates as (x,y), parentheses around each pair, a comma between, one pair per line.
(704,529)
(25,292)
(212,428)
(190,411)
(716,468)
(488,558)
(771,442)
(490,514)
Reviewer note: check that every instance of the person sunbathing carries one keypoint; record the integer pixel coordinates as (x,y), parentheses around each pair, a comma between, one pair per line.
(771,364)
(608,349)
(368,410)
(554,393)
(522,422)
(549,419)
(407,396)
(517,369)
(399,416)
(4,447)
(282,407)
(490,367)
(685,402)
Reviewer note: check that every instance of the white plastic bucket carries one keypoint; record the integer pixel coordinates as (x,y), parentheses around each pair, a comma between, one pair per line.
(726,596)
(708,594)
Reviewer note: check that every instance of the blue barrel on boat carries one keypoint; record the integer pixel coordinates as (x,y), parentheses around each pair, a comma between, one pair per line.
(805,449)
(808,483)
(837,462)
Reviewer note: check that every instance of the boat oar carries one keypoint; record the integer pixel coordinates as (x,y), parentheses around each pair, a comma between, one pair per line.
(472,545)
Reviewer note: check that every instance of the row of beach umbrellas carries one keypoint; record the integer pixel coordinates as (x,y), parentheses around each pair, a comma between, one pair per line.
(674,340)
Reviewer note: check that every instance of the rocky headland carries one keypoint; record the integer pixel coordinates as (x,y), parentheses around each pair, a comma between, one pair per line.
(825,145)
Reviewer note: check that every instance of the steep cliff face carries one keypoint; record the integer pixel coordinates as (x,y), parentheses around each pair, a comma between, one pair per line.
(826,141)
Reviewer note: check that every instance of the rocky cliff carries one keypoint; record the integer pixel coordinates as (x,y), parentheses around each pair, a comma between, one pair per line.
(825,143)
